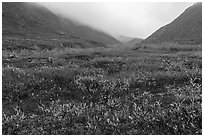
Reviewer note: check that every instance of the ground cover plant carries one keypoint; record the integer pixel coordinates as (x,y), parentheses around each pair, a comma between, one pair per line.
(106,91)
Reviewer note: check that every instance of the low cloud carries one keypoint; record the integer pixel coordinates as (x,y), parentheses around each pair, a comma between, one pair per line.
(130,19)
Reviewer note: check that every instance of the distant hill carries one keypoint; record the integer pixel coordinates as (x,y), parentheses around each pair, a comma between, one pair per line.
(128,40)
(124,39)
(29,20)
(134,41)
(186,29)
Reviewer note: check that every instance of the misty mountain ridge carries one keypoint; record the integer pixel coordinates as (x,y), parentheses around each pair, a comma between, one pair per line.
(128,40)
(30,20)
(134,41)
(185,29)
(124,39)
(33,21)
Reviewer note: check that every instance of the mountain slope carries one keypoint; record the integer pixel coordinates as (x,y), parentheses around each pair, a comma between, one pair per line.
(134,41)
(128,40)
(186,29)
(124,39)
(31,20)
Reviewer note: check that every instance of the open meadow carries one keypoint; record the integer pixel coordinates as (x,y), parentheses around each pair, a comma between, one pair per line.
(102,91)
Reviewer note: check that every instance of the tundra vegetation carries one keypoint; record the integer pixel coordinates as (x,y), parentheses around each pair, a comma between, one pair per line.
(101,90)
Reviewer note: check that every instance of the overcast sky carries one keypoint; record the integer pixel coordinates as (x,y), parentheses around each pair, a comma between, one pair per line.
(130,19)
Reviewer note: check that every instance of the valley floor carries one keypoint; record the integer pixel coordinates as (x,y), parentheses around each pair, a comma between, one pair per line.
(102,91)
